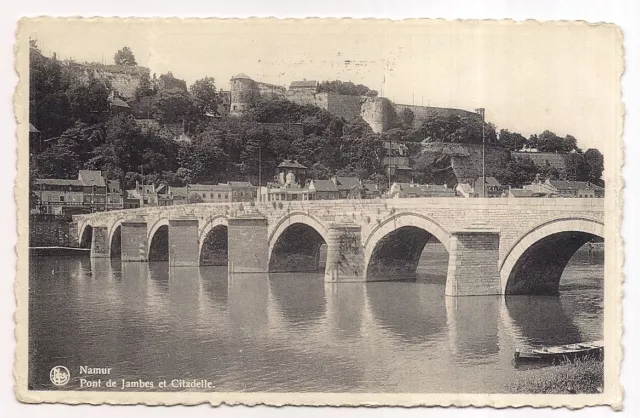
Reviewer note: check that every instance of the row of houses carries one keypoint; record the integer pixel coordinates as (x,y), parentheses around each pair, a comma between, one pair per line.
(548,188)
(93,192)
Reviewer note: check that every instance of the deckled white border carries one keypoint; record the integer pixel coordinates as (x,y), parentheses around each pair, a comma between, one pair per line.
(613,329)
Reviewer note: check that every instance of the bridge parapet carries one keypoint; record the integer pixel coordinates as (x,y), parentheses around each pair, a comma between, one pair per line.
(516,223)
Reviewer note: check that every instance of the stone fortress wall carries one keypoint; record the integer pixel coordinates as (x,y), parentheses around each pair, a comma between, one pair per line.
(124,80)
(379,112)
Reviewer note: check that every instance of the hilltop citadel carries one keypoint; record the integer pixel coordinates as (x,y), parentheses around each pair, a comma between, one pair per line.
(379,112)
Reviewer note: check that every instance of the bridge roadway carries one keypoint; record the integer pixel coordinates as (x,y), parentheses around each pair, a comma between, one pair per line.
(495,246)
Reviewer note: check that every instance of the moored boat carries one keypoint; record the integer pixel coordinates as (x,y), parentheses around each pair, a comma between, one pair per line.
(561,352)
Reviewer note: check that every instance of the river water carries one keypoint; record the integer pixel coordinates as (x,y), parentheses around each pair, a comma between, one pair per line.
(293,332)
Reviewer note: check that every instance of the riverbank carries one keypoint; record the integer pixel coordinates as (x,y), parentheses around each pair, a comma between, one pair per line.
(580,376)
(58,251)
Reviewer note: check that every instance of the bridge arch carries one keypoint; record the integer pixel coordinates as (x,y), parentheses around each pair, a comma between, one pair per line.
(535,262)
(158,241)
(295,243)
(213,242)
(115,238)
(393,248)
(85,235)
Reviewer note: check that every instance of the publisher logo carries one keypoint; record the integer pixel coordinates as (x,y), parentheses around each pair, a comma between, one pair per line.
(59,375)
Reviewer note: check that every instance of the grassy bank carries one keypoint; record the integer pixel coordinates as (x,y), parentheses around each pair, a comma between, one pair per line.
(581,376)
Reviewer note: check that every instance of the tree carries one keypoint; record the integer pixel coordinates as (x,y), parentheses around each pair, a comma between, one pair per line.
(173,105)
(595,160)
(195,198)
(205,96)
(319,172)
(511,140)
(125,57)
(548,141)
(458,129)
(145,87)
(577,167)
(168,81)
(49,108)
(519,171)
(89,101)
(347,88)
(407,117)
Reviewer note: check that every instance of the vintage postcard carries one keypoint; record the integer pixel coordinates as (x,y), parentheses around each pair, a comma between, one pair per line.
(319,212)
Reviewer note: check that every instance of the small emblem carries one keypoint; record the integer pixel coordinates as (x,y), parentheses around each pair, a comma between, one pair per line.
(59,375)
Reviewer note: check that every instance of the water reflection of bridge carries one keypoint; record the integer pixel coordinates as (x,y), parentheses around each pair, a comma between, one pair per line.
(288,310)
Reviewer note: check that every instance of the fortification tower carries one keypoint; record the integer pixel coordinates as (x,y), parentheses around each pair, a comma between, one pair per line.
(243,92)
(378,112)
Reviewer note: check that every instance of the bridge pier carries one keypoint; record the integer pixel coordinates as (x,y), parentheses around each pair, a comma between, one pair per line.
(248,245)
(100,245)
(473,263)
(184,250)
(134,240)
(345,255)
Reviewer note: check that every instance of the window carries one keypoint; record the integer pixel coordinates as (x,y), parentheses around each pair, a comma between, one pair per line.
(62,198)
(226,195)
(219,196)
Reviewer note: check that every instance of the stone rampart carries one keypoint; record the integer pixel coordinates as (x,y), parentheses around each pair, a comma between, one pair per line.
(123,79)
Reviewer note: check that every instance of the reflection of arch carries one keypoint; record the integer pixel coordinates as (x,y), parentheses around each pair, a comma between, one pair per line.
(159,241)
(299,299)
(540,321)
(295,244)
(536,261)
(85,236)
(413,311)
(393,248)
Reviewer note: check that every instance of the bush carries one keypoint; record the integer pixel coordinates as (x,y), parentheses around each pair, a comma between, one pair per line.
(580,376)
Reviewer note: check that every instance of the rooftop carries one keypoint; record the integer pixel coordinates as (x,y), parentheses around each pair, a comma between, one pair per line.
(323,186)
(91,178)
(118,102)
(490,181)
(207,187)
(178,191)
(291,164)
(346,183)
(240,184)
(241,76)
(58,182)
(394,145)
(114,186)
(303,84)
(573,185)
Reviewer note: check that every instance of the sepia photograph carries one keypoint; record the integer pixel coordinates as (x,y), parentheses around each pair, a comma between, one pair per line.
(319,211)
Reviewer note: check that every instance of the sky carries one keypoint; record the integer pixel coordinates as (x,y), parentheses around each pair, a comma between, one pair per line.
(529,77)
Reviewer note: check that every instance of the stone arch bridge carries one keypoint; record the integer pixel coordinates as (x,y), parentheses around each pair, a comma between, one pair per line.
(495,246)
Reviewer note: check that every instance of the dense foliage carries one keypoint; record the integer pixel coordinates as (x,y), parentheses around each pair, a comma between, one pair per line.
(346,87)
(79,130)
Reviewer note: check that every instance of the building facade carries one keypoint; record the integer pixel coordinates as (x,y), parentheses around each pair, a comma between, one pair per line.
(91,192)
(395,160)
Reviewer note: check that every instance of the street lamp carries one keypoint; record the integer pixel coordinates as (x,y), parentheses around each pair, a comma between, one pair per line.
(480,111)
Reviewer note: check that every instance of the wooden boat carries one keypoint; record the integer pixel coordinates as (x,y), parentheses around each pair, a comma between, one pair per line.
(559,353)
